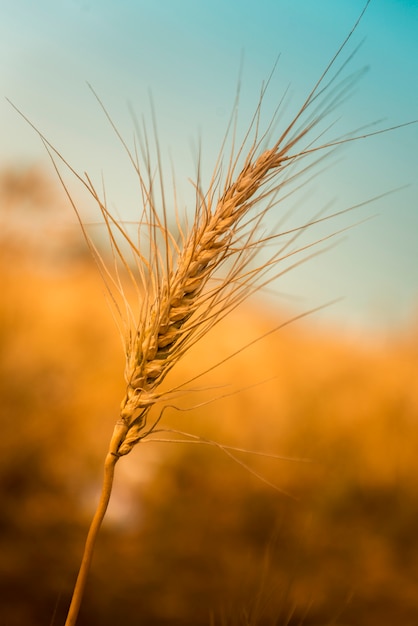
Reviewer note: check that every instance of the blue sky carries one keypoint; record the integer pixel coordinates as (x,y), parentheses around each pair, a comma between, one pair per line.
(188,54)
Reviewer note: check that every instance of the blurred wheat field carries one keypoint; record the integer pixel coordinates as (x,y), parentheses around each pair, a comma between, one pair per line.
(190,533)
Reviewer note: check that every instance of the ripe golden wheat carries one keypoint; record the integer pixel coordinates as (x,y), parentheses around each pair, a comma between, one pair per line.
(186,284)
(183,308)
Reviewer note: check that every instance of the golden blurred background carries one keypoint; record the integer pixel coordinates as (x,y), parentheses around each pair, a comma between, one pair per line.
(193,537)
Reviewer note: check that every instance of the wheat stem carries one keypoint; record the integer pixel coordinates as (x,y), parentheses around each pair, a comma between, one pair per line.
(109,471)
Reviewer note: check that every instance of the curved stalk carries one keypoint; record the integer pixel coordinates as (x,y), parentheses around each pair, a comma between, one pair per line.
(109,471)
